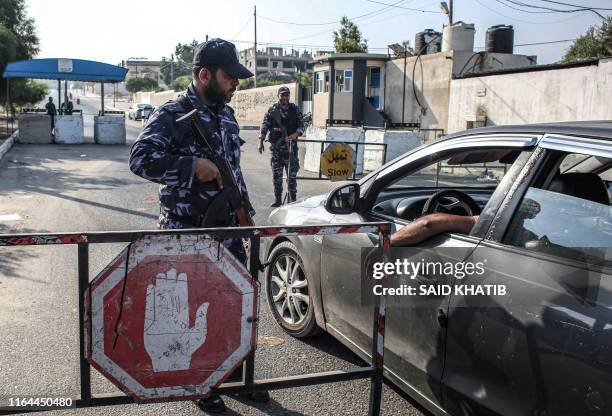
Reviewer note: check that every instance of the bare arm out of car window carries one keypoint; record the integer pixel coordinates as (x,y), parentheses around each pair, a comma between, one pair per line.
(430,225)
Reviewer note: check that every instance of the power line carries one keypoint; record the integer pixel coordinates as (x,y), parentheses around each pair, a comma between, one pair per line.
(523,10)
(526,21)
(243,26)
(335,22)
(575,5)
(579,9)
(406,8)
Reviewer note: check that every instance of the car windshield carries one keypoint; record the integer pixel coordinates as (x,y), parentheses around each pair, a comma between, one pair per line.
(144,106)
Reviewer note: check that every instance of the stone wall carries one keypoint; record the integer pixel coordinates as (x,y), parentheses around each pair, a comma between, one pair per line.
(251,105)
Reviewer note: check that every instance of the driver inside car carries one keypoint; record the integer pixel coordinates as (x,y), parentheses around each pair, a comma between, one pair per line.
(430,225)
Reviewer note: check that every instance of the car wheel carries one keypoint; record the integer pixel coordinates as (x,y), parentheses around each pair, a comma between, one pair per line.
(288,292)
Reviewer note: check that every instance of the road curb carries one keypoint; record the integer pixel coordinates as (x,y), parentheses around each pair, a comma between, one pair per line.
(8,143)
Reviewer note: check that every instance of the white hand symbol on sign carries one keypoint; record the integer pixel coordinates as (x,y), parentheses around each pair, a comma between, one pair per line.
(167,337)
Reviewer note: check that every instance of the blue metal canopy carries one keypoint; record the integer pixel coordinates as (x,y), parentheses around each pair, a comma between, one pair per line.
(66,69)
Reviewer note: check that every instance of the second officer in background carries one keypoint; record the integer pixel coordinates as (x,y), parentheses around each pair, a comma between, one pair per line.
(285,124)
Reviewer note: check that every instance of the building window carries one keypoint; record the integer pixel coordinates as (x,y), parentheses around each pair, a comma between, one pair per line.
(344,80)
(339,81)
(262,62)
(348,80)
(321,81)
(275,64)
(287,64)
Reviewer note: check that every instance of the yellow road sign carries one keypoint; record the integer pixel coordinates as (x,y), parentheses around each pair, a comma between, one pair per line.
(337,162)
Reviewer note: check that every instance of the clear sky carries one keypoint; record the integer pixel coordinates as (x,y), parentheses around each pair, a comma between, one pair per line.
(115,30)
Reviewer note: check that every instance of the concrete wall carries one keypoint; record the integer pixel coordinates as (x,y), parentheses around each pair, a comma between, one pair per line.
(69,129)
(312,158)
(251,105)
(398,142)
(155,98)
(109,129)
(433,89)
(581,93)
(35,128)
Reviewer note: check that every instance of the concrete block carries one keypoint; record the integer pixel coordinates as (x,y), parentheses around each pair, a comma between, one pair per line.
(69,129)
(398,142)
(35,128)
(312,157)
(109,129)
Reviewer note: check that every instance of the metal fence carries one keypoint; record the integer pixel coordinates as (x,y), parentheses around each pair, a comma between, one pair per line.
(357,145)
(254,234)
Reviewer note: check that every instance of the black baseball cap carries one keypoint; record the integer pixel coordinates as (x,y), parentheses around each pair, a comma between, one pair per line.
(219,53)
(283,90)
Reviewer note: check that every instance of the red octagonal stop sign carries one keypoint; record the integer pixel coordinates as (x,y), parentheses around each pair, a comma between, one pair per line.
(175,321)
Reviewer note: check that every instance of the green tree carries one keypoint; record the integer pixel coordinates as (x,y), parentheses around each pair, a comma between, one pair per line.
(18,41)
(181,83)
(179,63)
(136,84)
(305,79)
(8,46)
(349,38)
(595,43)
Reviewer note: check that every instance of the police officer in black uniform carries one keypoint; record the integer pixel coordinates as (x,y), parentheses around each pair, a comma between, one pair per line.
(285,123)
(169,153)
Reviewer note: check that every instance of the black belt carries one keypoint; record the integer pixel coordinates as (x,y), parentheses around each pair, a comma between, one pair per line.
(195,221)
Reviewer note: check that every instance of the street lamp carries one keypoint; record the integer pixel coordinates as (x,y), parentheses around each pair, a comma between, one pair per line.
(447,11)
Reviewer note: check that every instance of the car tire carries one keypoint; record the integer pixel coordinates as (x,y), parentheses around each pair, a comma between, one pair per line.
(288,293)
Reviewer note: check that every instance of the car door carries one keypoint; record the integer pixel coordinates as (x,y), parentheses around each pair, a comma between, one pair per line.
(545,346)
(415,336)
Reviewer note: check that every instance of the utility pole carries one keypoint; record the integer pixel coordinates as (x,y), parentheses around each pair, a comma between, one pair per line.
(171,69)
(450,14)
(255,48)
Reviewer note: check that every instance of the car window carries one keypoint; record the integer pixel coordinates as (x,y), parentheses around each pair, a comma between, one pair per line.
(570,217)
(457,172)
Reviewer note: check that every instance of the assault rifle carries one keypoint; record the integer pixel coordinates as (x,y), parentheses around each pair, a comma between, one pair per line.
(229,200)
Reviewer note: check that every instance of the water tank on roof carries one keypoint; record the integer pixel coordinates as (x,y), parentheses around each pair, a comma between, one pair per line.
(427,36)
(500,39)
(458,37)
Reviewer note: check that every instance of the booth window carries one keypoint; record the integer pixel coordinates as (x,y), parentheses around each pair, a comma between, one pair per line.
(344,80)
(348,80)
(321,81)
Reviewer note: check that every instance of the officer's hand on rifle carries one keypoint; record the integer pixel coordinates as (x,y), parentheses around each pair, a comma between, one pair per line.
(293,136)
(206,171)
(261,145)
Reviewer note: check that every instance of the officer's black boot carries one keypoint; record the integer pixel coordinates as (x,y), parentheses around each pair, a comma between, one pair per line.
(291,198)
(212,404)
(278,201)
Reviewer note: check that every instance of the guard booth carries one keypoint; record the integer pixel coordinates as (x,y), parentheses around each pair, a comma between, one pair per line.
(35,126)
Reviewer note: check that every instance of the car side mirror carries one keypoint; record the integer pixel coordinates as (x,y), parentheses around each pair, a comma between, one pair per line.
(343,200)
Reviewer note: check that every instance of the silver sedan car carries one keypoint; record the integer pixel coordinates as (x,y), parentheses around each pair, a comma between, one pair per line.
(542,193)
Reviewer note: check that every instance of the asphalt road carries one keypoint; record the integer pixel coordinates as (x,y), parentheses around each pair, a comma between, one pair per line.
(54,188)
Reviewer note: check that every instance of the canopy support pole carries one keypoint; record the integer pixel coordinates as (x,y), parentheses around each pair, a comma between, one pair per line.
(8,103)
(102,95)
(59,96)
(66,92)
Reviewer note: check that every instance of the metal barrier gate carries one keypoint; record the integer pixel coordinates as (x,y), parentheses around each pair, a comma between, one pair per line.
(254,235)
(329,143)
